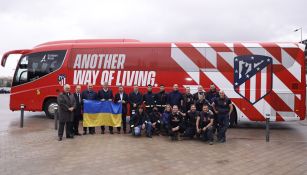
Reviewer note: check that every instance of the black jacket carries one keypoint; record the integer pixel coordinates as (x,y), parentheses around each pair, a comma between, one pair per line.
(125,98)
(78,109)
(139,118)
(106,95)
(89,95)
(135,98)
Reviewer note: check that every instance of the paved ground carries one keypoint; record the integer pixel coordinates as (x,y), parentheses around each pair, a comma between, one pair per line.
(35,150)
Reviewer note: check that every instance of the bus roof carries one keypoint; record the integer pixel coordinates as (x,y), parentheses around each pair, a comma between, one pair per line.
(87,41)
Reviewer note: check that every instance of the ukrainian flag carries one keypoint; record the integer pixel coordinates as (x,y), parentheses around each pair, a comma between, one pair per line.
(101,113)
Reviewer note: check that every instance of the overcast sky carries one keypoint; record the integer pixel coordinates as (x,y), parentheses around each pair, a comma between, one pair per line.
(25,24)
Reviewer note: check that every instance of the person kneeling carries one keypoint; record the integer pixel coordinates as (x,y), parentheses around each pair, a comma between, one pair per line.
(176,119)
(155,119)
(204,124)
(190,122)
(138,121)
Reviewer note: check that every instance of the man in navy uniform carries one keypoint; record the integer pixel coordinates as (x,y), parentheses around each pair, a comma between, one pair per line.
(161,99)
(105,94)
(175,97)
(223,108)
(149,99)
(212,93)
(135,100)
(122,97)
(188,100)
(77,111)
(89,94)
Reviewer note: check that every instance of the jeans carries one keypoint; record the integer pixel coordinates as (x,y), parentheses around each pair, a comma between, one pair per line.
(148,127)
(222,125)
(137,130)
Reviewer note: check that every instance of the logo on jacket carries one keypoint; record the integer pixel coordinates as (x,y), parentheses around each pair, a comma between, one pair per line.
(253,76)
(62,79)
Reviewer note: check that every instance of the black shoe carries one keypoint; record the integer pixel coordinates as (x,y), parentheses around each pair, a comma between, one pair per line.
(69,137)
(84,133)
(222,141)
(111,132)
(60,139)
(77,134)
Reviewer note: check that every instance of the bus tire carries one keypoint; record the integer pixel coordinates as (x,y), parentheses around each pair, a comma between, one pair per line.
(48,107)
(233,121)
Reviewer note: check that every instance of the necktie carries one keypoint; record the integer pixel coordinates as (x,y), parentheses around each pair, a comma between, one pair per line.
(79,97)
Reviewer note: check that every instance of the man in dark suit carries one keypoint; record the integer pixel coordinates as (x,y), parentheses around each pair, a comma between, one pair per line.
(67,104)
(89,94)
(122,97)
(77,111)
(105,94)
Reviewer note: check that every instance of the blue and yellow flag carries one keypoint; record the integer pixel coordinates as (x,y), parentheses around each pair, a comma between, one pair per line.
(101,113)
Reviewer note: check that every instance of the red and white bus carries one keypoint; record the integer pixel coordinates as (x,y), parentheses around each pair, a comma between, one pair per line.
(263,79)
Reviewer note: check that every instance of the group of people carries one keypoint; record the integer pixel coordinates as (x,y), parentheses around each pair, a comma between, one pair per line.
(175,114)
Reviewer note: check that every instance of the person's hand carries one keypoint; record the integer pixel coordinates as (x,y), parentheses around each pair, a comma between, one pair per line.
(198,130)
(204,129)
(216,111)
(134,105)
(110,99)
(71,108)
(143,126)
(123,101)
(103,99)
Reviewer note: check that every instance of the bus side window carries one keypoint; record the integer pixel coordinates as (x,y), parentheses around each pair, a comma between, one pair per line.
(37,65)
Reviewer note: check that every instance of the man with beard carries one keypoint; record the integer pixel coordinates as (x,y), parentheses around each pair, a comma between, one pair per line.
(212,93)
(204,123)
(190,122)
(188,100)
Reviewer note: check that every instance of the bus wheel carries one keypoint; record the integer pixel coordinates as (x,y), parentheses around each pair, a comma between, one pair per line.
(233,118)
(49,106)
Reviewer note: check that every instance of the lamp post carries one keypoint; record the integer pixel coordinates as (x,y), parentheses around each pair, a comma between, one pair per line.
(301,29)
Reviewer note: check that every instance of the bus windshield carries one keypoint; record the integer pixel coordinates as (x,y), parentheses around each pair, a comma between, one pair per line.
(36,65)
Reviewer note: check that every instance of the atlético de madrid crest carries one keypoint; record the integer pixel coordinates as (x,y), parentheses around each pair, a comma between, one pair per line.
(253,76)
(62,79)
